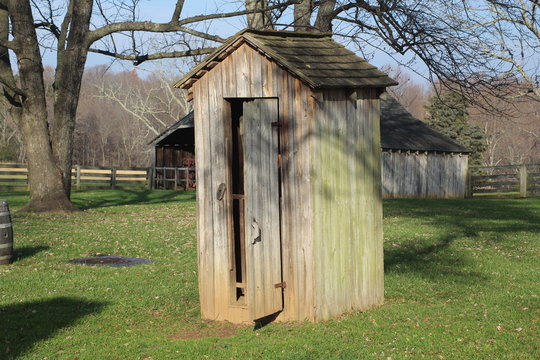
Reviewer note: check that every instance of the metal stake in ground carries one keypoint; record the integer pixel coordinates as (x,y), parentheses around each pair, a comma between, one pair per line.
(6,234)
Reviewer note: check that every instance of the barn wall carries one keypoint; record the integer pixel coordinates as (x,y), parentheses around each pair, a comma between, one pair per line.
(347,208)
(247,74)
(424,175)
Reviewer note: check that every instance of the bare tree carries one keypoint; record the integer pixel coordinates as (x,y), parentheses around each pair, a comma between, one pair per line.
(152,102)
(448,37)
(509,31)
(513,135)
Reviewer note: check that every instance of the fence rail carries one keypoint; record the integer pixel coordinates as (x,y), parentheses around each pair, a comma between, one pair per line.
(505,181)
(15,177)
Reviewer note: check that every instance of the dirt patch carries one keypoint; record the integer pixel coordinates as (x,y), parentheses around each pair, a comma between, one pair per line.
(110,260)
(208,330)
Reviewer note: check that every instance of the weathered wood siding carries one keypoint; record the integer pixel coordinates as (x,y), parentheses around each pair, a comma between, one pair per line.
(347,208)
(408,174)
(247,74)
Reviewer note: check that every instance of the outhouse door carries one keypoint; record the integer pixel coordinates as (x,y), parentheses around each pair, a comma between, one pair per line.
(264,291)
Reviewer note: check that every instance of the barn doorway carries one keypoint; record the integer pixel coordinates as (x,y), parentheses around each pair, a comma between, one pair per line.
(254,223)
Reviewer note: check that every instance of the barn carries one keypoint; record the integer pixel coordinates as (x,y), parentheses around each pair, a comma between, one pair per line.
(287,147)
(173,156)
(417,161)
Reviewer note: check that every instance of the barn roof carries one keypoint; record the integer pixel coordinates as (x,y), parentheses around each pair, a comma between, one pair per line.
(314,58)
(402,131)
(184,123)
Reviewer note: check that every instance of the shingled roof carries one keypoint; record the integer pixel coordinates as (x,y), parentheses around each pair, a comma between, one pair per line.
(185,123)
(402,131)
(314,58)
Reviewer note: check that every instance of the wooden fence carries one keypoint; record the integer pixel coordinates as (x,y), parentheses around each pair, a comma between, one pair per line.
(15,177)
(504,181)
(174,178)
(487,181)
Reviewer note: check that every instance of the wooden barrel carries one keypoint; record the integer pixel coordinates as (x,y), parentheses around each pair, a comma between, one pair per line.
(6,234)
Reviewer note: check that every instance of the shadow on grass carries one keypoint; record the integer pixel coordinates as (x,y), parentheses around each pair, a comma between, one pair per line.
(24,252)
(471,220)
(85,200)
(92,199)
(22,325)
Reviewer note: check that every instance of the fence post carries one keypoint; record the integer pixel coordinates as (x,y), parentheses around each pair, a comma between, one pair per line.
(469,184)
(175,178)
(78,177)
(150,178)
(523,181)
(113,178)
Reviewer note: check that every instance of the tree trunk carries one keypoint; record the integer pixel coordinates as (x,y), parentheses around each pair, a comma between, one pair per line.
(259,20)
(325,15)
(302,15)
(46,190)
(67,85)
(44,177)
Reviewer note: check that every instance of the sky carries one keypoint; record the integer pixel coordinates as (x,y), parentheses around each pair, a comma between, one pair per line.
(161,10)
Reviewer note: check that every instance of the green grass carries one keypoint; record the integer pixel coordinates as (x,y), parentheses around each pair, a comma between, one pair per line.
(462,282)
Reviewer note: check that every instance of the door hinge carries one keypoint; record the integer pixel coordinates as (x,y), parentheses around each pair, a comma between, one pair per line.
(282,285)
(276,123)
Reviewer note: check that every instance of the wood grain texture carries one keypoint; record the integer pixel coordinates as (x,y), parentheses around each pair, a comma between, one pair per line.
(262,209)
(204,202)
(347,211)
(407,174)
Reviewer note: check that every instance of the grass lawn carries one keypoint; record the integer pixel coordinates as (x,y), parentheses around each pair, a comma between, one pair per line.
(462,282)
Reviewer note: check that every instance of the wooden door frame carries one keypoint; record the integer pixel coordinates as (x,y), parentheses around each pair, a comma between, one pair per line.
(277,132)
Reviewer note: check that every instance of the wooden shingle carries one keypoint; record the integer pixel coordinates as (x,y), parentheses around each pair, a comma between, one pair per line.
(316,59)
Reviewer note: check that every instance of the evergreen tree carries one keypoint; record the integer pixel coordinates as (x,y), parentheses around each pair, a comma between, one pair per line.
(448,115)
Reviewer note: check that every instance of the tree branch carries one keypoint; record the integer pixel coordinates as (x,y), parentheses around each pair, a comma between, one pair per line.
(174,26)
(139,59)
(15,89)
(177,11)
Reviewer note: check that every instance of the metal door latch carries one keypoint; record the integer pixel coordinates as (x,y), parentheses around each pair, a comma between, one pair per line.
(256,231)
(220,191)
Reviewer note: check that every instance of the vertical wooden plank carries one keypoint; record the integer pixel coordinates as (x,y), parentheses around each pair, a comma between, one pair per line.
(204,201)
(307,201)
(228,77)
(281,88)
(302,218)
(113,178)
(422,164)
(262,209)
(523,181)
(377,210)
(469,183)
(243,72)
(255,65)
(267,78)
(219,175)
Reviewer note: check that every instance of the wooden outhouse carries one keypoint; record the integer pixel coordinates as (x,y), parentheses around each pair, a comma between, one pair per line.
(287,148)
(417,161)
